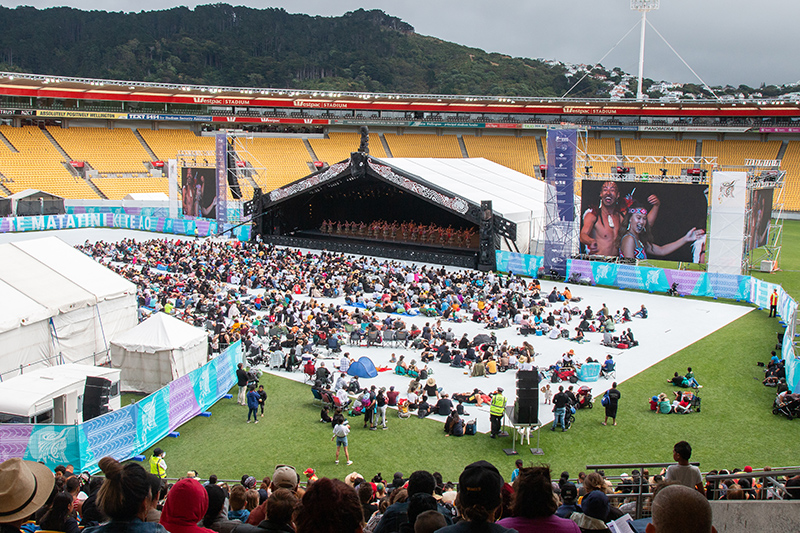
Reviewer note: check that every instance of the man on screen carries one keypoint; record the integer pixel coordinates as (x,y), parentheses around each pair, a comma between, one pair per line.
(601,224)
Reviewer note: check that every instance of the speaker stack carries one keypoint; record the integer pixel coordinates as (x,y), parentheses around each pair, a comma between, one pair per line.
(486,246)
(526,408)
(96,393)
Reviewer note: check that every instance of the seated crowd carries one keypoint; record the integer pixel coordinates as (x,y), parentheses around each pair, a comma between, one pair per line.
(269,298)
(128,498)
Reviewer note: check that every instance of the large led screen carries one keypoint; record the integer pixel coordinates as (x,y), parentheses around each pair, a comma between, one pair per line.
(199,192)
(644,220)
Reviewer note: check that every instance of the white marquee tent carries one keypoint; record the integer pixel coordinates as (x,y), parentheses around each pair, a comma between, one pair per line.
(157,351)
(516,196)
(58,305)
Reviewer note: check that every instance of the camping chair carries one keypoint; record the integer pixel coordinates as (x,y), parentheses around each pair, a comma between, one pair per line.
(276,359)
(389,336)
(611,373)
(401,337)
(355,338)
(317,396)
(310,372)
(374,337)
(589,371)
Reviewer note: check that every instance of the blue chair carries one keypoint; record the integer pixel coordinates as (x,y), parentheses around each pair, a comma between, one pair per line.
(589,372)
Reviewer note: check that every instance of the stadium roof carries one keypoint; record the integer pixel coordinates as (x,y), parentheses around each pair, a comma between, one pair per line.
(13,82)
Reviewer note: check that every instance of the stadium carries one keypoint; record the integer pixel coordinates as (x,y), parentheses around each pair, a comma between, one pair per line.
(104,160)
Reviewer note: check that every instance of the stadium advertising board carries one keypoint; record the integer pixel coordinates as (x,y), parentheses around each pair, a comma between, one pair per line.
(199,192)
(760,215)
(644,220)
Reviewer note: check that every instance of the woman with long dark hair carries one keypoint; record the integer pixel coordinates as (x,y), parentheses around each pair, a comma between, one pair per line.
(59,517)
(635,240)
(533,505)
(125,498)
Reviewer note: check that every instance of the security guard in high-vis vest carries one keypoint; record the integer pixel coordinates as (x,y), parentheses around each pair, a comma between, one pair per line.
(157,464)
(496,410)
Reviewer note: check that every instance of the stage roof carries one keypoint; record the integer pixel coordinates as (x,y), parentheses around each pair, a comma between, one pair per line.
(477,179)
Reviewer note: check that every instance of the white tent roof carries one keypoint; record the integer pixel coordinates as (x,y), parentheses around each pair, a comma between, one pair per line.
(41,278)
(147,196)
(21,394)
(158,333)
(478,179)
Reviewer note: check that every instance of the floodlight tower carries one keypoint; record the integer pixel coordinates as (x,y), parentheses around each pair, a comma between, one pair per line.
(643,6)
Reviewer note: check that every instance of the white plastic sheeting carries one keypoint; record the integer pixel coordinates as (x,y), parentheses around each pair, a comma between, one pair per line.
(516,196)
(58,304)
(157,351)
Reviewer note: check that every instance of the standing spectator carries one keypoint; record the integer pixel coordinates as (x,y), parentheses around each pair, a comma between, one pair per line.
(773,303)
(684,473)
(262,398)
(340,431)
(25,486)
(560,401)
(252,404)
(157,464)
(380,407)
(497,410)
(241,380)
(613,401)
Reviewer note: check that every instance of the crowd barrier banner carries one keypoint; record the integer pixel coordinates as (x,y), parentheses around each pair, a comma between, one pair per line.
(177,226)
(128,431)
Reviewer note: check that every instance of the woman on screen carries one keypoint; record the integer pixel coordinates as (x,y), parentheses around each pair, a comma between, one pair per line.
(636,241)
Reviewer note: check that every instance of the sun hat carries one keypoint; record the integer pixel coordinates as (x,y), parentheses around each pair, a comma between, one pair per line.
(25,486)
(431,381)
(285,477)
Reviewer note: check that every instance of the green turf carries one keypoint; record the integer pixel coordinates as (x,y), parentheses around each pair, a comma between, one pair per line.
(735,427)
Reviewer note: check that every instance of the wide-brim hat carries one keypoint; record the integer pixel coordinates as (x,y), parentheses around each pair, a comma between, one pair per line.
(25,486)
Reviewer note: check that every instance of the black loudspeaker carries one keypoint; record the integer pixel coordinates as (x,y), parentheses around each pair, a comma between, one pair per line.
(527,405)
(96,393)
(486,243)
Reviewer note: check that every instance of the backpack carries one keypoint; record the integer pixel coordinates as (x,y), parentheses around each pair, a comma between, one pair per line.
(471,427)
(605,400)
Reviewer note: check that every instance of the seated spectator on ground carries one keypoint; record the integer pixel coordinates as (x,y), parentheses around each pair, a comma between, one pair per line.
(642,312)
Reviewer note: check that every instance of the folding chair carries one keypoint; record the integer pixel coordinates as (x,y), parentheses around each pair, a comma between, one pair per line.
(401,337)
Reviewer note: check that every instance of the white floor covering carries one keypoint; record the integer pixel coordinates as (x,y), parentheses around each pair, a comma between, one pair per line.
(673,323)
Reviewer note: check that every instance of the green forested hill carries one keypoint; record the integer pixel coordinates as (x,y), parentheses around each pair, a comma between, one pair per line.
(238,46)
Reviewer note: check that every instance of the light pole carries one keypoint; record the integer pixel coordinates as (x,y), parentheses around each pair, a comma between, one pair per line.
(643,6)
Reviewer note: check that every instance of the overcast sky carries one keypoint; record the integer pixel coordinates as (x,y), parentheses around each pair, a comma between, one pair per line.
(725,41)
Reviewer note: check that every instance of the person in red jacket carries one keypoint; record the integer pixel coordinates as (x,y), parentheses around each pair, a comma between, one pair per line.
(186,505)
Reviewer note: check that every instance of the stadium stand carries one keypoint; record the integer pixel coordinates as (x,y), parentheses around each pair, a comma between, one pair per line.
(167,143)
(106,150)
(418,145)
(518,153)
(280,161)
(791,164)
(38,165)
(734,152)
(599,147)
(658,147)
(117,188)
(339,145)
